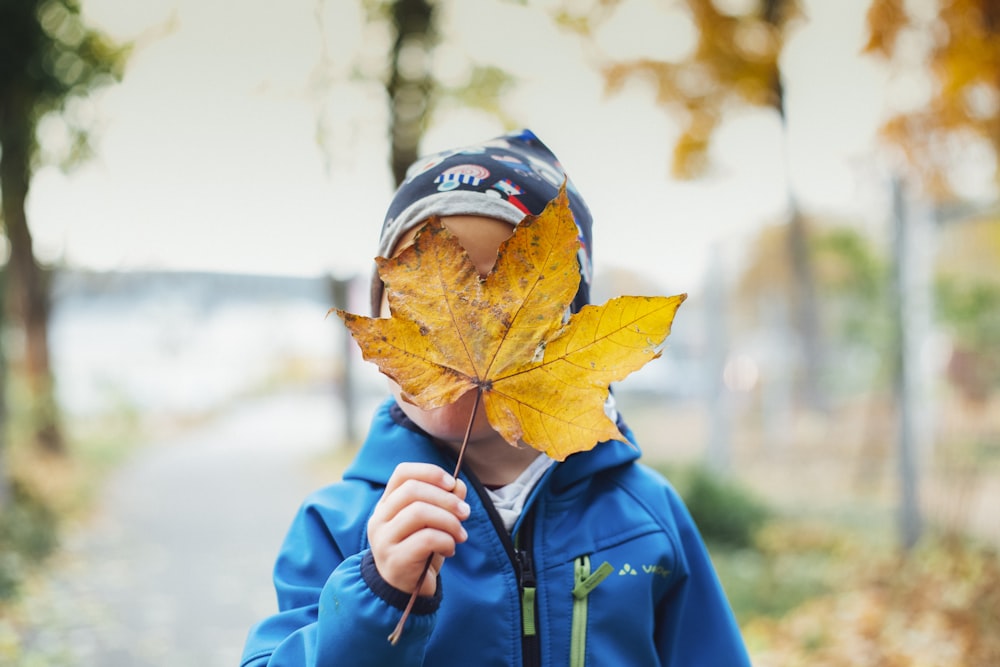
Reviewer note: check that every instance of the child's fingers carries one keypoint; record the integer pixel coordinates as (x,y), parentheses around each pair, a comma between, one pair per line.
(416,547)
(412,492)
(460,489)
(402,545)
(424,472)
(427,520)
(419,515)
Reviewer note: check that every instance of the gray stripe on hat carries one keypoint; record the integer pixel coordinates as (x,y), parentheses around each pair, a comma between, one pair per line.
(461,202)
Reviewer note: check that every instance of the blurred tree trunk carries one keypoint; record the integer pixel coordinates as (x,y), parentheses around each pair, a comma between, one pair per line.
(4,472)
(913,248)
(28,295)
(804,305)
(340,290)
(806,309)
(720,442)
(412,91)
(48,57)
(410,85)
(906,370)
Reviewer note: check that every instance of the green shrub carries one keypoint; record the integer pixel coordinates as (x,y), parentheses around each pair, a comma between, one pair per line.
(726,513)
(28,533)
(786,568)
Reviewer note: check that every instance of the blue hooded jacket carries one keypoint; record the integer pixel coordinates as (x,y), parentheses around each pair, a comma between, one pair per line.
(605,567)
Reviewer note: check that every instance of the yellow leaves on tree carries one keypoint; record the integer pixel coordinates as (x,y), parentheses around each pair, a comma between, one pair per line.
(961,60)
(543,382)
(735,61)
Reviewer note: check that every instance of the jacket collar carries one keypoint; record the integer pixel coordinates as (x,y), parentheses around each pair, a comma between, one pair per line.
(394,439)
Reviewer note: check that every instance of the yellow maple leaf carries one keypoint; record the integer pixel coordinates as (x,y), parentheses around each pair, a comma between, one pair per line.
(542,381)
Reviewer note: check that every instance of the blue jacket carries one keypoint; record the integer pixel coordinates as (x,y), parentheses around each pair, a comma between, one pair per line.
(606,568)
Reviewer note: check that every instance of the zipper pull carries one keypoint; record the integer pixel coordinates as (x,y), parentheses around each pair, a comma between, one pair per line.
(586,583)
(527,582)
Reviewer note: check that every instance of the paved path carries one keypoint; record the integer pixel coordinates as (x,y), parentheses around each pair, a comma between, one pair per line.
(175,565)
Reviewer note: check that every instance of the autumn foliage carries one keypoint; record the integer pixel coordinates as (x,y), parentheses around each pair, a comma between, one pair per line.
(939,607)
(543,380)
(961,60)
(736,62)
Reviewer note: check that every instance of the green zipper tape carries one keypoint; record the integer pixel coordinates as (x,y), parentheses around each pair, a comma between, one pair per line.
(585,582)
(528,611)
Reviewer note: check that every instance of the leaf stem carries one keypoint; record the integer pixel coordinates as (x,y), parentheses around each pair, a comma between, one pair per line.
(398,631)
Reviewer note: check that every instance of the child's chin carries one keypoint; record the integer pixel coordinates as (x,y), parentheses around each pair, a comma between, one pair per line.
(450,427)
(448,423)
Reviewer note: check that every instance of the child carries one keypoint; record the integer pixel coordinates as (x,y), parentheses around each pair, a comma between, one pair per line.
(589,561)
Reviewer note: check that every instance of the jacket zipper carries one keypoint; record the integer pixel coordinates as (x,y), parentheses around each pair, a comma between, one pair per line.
(520,555)
(528,583)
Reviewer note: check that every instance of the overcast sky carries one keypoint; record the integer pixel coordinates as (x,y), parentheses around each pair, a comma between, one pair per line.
(209,155)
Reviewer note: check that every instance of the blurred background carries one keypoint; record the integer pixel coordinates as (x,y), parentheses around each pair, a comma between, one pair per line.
(189,186)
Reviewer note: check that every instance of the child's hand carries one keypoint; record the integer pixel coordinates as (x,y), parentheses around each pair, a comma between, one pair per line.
(420,514)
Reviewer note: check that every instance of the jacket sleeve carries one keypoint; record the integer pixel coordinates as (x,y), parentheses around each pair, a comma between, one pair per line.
(695,623)
(333,608)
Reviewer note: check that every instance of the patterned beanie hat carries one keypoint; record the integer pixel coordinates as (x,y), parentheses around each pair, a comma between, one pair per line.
(506,178)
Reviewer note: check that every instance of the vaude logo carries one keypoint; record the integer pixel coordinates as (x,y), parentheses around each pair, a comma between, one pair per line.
(657,570)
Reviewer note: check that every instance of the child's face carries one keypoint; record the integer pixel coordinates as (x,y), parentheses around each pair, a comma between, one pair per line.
(481,237)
